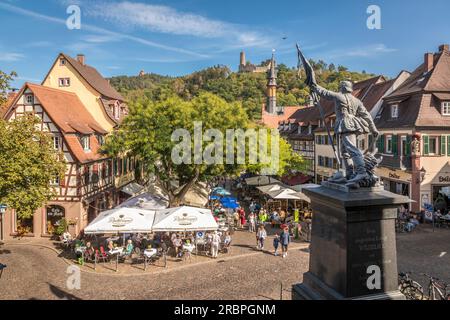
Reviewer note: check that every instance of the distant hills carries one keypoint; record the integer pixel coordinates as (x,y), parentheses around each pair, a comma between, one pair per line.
(247,88)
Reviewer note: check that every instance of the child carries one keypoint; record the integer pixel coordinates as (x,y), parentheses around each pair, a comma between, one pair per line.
(276,242)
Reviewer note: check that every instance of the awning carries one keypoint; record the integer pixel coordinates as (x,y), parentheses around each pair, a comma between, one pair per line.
(146,201)
(122,220)
(133,189)
(261,181)
(184,219)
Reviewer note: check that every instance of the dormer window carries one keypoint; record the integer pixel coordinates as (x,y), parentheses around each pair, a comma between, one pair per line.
(394,111)
(446,108)
(29,99)
(85,143)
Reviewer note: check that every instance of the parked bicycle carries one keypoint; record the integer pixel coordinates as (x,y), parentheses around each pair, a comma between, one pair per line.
(437,289)
(410,288)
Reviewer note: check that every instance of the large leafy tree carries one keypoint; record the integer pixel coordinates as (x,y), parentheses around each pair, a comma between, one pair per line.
(28,163)
(147,134)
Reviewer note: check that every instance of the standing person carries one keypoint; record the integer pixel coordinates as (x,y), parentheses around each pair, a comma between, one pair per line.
(252,206)
(237,219)
(215,242)
(276,242)
(242,217)
(285,240)
(262,235)
(251,222)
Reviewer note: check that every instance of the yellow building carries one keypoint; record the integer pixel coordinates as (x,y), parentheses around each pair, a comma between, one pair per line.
(103,102)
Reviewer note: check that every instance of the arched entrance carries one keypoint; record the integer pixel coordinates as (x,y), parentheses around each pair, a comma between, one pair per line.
(54,214)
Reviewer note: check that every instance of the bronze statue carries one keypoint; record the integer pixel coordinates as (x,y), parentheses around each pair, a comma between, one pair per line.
(352,120)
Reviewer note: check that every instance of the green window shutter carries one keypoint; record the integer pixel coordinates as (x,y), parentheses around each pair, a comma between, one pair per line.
(115,166)
(448,146)
(395,145)
(443,145)
(426,145)
(382,140)
(408,146)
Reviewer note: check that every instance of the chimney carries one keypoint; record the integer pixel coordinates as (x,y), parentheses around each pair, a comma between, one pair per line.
(81,58)
(429,62)
(444,48)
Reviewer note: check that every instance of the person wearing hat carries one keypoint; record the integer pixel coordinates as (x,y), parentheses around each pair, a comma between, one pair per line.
(352,120)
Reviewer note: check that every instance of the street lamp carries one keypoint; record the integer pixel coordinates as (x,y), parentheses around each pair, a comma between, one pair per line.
(2,212)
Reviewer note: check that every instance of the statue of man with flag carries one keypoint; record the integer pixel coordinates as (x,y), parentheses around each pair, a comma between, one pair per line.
(352,120)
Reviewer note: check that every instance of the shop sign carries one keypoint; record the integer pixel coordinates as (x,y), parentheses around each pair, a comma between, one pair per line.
(120,221)
(445,179)
(55,211)
(394,176)
(185,219)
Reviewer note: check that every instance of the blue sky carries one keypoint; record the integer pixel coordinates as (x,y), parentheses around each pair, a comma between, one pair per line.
(177,37)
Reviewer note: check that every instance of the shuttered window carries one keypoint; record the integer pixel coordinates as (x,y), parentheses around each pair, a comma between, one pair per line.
(426,145)
(395,145)
(448,146)
(443,145)
(408,145)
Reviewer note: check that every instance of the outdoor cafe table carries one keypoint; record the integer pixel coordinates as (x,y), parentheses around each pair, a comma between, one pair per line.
(116,252)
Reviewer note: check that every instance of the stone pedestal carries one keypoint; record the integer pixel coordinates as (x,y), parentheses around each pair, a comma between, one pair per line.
(353,234)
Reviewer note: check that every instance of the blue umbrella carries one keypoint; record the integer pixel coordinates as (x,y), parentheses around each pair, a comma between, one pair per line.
(214,197)
(230,205)
(228,199)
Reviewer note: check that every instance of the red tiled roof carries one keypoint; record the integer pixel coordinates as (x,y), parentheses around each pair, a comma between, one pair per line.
(66,110)
(94,78)
(272,121)
(69,114)
(419,98)
(77,150)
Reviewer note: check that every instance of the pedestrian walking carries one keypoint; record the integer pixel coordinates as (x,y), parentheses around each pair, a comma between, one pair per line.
(262,235)
(285,240)
(215,242)
(276,242)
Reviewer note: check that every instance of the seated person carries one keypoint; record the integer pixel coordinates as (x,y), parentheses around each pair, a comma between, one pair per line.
(110,246)
(227,239)
(89,252)
(128,249)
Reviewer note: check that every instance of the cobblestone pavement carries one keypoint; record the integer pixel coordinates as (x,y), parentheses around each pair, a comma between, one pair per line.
(425,251)
(35,272)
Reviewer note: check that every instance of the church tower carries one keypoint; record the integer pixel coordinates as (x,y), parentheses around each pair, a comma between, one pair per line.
(271,104)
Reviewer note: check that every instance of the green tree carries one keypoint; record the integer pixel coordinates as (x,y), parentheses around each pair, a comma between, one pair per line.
(28,163)
(147,134)
(5,80)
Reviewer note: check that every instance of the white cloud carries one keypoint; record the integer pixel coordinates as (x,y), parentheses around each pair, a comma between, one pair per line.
(362,52)
(90,28)
(164,19)
(11,56)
